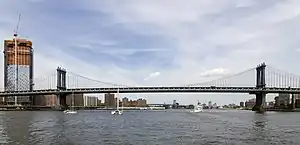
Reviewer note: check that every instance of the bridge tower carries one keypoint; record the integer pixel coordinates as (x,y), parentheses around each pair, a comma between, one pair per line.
(260,84)
(61,85)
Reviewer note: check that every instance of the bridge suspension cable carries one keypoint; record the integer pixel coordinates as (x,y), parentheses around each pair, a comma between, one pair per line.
(47,81)
(91,80)
(226,80)
(281,79)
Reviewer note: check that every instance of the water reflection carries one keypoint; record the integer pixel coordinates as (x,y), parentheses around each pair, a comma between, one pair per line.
(3,134)
(17,126)
(46,128)
(259,128)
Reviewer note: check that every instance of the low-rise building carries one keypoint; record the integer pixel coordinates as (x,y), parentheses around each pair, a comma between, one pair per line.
(109,100)
(242,104)
(284,100)
(141,102)
(250,103)
(78,99)
(46,100)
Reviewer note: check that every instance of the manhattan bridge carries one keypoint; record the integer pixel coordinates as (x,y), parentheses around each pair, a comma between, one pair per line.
(263,79)
(19,81)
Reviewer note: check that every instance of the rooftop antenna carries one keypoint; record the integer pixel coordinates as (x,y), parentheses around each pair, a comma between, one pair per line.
(16,62)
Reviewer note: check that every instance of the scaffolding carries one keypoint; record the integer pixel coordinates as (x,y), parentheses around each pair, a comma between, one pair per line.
(18,69)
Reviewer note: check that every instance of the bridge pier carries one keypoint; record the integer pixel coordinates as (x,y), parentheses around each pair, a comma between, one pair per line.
(293,105)
(61,85)
(260,103)
(62,101)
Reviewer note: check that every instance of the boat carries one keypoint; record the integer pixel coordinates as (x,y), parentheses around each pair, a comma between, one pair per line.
(72,110)
(198,108)
(117,111)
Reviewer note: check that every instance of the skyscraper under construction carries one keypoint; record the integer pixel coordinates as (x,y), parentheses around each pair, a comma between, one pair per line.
(18,69)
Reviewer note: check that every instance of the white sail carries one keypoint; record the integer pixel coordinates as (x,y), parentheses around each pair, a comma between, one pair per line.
(72,111)
(117,112)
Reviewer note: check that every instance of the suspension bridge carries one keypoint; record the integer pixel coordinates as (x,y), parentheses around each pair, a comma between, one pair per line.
(259,80)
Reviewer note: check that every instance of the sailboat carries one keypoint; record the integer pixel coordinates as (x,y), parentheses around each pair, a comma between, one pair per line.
(72,111)
(198,108)
(117,112)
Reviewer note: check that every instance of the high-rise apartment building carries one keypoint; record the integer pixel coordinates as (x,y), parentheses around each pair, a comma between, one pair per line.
(250,103)
(125,102)
(18,69)
(90,101)
(109,100)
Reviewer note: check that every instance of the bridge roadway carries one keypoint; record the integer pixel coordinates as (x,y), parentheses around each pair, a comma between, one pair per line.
(211,89)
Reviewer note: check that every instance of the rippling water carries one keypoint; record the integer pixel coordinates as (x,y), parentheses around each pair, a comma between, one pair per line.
(171,127)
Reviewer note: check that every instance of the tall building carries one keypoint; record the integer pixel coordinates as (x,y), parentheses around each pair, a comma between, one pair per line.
(284,99)
(125,102)
(242,104)
(109,100)
(18,69)
(90,101)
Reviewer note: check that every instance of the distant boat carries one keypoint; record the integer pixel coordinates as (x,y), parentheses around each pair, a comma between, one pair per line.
(197,108)
(70,112)
(117,112)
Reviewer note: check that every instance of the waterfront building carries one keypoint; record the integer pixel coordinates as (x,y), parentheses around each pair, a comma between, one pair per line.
(242,104)
(90,101)
(250,103)
(110,100)
(284,100)
(18,70)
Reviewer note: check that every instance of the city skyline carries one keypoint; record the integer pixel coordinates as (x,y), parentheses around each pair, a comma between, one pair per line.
(147,44)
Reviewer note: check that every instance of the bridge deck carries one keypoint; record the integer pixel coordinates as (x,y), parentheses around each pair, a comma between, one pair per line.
(155,90)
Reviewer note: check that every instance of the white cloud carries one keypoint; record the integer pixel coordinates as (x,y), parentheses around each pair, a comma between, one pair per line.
(152,75)
(215,72)
(205,35)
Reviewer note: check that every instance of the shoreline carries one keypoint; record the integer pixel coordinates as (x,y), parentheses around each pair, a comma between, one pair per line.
(13,108)
(45,108)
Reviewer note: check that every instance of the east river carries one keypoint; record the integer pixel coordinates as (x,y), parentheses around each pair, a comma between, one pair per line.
(170,127)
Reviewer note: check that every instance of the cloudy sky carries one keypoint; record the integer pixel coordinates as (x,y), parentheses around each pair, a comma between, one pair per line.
(159,42)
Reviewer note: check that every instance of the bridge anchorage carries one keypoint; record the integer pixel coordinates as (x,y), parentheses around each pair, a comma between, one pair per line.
(260,80)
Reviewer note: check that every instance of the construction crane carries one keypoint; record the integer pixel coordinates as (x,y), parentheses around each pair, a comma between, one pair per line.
(16,62)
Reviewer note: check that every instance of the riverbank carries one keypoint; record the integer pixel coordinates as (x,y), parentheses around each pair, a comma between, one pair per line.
(45,108)
(267,109)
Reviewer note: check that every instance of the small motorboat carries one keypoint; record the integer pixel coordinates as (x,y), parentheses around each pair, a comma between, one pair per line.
(116,112)
(198,108)
(70,112)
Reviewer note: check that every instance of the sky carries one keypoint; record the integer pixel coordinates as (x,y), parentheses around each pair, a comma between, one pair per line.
(157,43)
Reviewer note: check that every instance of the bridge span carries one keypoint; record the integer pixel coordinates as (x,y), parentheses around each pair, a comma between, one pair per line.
(264,81)
(249,90)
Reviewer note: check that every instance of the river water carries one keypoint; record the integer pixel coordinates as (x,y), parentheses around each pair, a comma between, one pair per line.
(170,127)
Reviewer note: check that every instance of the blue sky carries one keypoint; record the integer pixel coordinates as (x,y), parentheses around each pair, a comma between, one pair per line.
(158,42)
